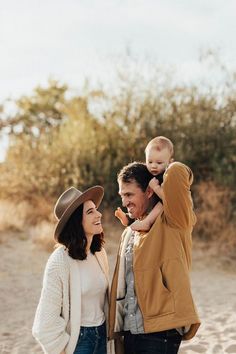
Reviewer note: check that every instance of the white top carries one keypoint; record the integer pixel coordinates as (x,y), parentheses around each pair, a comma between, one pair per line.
(93,291)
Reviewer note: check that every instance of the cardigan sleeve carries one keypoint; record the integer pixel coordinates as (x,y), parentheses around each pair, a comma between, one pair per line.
(177,200)
(49,326)
(106,264)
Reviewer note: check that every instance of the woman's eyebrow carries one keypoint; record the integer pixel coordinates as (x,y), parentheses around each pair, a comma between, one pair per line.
(89,210)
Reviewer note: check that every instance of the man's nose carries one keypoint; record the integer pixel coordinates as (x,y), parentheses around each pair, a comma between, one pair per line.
(124,201)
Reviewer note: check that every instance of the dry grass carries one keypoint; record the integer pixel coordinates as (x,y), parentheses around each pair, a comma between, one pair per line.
(215,217)
(18,215)
(212,209)
(42,235)
(36,220)
(112,231)
(215,226)
(13,216)
(33,217)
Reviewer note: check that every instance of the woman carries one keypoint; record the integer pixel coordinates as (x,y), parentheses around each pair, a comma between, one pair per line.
(70,317)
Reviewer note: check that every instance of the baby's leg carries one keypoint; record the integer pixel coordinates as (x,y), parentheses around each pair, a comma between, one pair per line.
(141,225)
(122,217)
(146,223)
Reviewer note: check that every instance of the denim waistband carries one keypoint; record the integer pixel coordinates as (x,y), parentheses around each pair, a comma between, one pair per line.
(163,334)
(98,329)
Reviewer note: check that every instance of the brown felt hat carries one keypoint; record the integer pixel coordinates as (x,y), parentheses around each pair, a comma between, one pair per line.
(70,200)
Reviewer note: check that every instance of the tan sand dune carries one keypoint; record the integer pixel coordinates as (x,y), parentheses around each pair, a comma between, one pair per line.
(21,269)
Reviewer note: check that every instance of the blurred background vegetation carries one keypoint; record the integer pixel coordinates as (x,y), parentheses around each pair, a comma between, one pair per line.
(58,139)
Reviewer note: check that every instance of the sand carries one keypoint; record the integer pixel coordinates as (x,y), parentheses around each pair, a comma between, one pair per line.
(21,269)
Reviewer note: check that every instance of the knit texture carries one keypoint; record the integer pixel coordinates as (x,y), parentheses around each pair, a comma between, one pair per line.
(57,320)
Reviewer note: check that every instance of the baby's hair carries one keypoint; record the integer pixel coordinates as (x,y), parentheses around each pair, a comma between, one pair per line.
(159,143)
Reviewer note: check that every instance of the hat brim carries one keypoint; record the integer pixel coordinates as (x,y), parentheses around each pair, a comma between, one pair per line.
(95,194)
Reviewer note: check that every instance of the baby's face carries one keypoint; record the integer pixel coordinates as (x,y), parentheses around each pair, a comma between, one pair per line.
(157,160)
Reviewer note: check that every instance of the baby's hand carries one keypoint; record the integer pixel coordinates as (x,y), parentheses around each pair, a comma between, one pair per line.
(154,183)
(122,217)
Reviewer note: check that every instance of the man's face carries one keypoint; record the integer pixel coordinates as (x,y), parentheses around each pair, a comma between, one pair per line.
(134,199)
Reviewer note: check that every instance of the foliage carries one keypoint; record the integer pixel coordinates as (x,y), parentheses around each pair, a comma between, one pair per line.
(37,114)
(57,140)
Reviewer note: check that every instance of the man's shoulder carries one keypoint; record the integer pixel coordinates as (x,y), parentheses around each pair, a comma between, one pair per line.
(178,171)
(177,165)
(178,168)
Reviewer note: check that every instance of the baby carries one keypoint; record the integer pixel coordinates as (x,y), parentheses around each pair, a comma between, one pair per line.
(159,154)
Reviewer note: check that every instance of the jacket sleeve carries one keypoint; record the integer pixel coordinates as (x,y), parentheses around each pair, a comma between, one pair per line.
(177,201)
(49,326)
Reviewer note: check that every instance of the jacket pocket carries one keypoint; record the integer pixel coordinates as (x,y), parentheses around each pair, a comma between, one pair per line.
(154,297)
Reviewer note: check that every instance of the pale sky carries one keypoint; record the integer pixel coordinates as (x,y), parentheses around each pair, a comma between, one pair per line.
(73,39)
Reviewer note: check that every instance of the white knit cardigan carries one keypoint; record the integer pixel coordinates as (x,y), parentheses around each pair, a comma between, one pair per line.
(58,316)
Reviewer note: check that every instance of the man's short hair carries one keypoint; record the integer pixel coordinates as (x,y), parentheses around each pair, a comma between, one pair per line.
(135,171)
(159,143)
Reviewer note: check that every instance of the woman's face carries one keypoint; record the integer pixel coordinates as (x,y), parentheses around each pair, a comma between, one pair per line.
(91,220)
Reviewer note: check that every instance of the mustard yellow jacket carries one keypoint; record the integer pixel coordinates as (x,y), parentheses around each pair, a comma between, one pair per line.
(161,263)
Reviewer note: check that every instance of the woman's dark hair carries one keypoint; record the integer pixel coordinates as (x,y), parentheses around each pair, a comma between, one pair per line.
(73,237)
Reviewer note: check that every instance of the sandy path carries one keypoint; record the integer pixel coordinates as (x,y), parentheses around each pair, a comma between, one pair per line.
(21,268)
(215,294)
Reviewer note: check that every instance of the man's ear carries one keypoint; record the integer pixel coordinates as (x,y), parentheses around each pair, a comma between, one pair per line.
(149,192)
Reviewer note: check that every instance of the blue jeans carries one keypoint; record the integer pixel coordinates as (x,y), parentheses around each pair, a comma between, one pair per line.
(92,340)
(165,342)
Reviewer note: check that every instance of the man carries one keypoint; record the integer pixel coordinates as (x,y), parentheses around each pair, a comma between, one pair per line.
(151,301)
